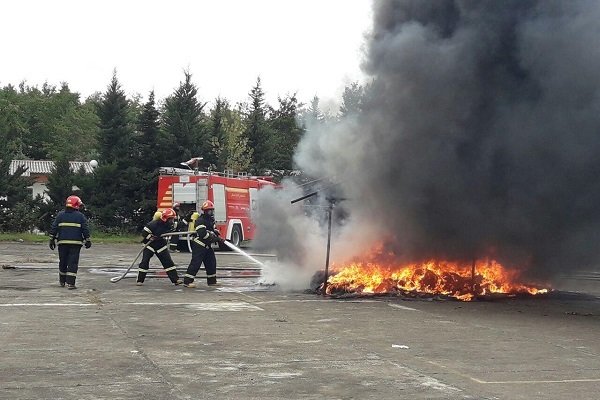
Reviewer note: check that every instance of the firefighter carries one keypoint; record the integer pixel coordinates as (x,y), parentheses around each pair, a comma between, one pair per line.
(179,225)
(158,245)
(70,228)
(202,251)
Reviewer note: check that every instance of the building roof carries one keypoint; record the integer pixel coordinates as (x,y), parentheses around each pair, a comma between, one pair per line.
(44,167)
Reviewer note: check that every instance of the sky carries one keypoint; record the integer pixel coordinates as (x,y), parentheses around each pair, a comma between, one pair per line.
(311,47)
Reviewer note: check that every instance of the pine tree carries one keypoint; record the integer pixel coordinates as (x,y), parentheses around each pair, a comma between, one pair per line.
(236,155)
(151,155)
(183,122)
(313,114)
(218,137)
(352,100)
(115,201)
(116,131)
(257,132)
(286,132)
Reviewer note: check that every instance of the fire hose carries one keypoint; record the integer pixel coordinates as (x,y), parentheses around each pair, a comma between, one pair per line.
(118,278)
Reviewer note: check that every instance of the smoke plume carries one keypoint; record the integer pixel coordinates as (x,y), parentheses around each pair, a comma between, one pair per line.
(479,134)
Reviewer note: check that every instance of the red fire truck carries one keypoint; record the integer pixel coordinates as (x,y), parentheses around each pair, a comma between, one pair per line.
(234,197)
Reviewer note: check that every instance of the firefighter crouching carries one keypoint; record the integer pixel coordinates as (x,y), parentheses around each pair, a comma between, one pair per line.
(202,251)
(70,228)
(158,245)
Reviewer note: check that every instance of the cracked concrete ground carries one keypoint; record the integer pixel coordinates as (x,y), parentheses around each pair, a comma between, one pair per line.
(243,341)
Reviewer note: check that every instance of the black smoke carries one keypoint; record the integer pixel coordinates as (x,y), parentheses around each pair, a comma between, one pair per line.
(480,133)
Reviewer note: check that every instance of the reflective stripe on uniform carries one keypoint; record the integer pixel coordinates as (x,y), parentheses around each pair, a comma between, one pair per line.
(74,224)
(142,270)
(189,276)
(211,276)
(162,249)
(62,273)
(71,273)
(170,269)
(199,242)
(70,242)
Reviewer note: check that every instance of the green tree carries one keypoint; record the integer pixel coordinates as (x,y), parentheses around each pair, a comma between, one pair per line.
(286,132)
(151,154)
(233,151)
(257,130)
(218,136)
(13,126)
(116,130)
(352,100)
(313,114)
(183,123)
(115,200)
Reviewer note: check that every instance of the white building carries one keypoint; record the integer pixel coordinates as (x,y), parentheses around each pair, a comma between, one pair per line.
(39,170)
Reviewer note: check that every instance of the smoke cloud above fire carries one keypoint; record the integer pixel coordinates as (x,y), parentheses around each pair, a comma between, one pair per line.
(479,136)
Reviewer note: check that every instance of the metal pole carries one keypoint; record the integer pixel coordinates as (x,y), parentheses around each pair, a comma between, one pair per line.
(473,278)
(330,211)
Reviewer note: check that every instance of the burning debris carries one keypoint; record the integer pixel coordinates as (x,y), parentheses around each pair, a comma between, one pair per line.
(463,282)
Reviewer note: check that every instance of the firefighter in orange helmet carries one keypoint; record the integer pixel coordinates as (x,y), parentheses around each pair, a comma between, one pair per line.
(202,252)
(70,227)
(158,245)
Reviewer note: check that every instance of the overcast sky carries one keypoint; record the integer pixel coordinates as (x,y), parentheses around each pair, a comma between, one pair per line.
(309,46)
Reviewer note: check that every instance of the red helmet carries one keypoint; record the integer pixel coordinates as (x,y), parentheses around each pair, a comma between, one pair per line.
(167,214)
(74,202)
(207,205)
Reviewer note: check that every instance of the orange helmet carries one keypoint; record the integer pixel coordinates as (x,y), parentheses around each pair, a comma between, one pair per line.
(167,214)
(74,202)
(207,205)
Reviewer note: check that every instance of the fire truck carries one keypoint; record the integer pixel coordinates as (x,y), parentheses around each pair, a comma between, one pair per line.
(234,197)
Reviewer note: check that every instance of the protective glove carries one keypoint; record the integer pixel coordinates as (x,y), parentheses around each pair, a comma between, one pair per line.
(88,244)
(213,237)
(52,244)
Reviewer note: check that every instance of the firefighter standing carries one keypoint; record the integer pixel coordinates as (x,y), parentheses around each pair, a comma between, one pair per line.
(158,245)
(70,227)
(179,225)
(202,251)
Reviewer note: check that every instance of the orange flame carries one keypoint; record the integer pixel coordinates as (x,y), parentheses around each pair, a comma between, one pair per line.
(460,281)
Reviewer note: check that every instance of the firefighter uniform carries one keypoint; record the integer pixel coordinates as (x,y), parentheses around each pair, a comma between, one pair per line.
(158,246)
(70,231)
(202,251)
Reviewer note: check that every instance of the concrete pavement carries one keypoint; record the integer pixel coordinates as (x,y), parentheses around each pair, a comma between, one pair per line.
(245,341)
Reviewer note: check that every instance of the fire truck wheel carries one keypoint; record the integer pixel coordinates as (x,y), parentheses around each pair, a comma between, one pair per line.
(236,236)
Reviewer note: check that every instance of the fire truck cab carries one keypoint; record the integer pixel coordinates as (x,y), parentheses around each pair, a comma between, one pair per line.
(234,197)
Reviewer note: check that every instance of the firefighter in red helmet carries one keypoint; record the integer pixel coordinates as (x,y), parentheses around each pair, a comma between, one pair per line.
(70,229)
(202,251)
(158,245)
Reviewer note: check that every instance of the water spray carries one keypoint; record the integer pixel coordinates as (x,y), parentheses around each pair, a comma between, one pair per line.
(242,252)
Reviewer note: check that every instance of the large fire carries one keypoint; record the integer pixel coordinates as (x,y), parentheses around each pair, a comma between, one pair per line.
(461,281)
